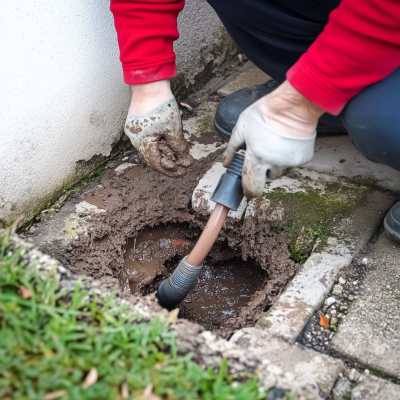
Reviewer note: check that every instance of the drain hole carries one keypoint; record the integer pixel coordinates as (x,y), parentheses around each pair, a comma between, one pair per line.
(225,287)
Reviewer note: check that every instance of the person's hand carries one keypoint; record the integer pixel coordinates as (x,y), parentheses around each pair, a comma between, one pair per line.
(279,132)
(154,127)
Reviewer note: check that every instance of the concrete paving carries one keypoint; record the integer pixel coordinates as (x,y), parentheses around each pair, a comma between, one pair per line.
(316,371)
(374,388)
(370,334)
(251,76)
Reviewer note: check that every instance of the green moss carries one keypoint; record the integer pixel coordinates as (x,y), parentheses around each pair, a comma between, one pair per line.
(314,212)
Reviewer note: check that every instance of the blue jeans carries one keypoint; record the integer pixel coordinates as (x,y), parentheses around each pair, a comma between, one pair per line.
(274,34)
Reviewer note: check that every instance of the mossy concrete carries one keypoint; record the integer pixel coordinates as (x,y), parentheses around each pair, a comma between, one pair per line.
(310,204)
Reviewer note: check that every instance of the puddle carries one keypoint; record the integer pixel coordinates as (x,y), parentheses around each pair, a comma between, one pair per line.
(146,254)
(222,290)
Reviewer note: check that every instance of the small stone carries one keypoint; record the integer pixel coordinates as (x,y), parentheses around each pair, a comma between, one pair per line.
(365,261)
(367,371)
(355,283)
(354,375)
(351,297)
(333,312)
(343,308)
(329,301)
(76,237)
(342,281)
(341,388)
(334,321)
(337,289)
(125,159)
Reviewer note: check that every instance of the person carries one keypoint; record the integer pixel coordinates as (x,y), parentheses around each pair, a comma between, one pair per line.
(332,61)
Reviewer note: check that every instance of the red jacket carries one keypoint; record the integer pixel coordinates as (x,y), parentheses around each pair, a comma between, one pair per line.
(359,45)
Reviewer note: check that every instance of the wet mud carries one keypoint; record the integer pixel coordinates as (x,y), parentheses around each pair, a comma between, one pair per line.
(149,225)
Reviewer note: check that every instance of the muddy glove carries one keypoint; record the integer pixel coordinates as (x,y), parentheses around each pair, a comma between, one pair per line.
(268,153)
(158,137)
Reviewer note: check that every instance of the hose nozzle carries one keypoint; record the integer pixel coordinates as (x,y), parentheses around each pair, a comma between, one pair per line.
(174,289)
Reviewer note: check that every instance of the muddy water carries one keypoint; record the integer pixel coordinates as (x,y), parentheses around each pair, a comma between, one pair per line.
(221,291)
(146,254)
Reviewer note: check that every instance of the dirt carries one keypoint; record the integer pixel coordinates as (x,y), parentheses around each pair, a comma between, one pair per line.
(139,199)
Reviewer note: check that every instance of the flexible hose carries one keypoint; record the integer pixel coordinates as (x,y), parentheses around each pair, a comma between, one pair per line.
(227,195)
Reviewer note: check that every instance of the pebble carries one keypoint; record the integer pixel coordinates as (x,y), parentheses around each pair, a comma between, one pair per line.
(355,283)
(125,159)
(329,301)
(337,289)
(342,281)
(333,312)
(354,375)
(343,308)
(365,261)
(367,371)
(334,321)
(351,297)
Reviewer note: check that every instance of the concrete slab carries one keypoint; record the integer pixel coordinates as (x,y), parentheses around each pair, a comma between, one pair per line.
(251,76)
(200,132)
(374,388)
(370,333)
(316,371)
(306,292)
(337,155)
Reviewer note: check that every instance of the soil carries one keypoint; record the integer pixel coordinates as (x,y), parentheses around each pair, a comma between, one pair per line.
(138,199)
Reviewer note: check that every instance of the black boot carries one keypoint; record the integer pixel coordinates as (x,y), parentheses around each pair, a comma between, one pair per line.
(231,106)
(392,222)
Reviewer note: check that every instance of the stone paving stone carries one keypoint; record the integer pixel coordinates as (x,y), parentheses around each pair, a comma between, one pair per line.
(370,333)
(316,371)
(374,388)
(337,155)
(251,76)
(200,132)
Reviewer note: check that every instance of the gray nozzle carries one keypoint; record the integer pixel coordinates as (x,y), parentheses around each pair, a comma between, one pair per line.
(229,191)
(174,289)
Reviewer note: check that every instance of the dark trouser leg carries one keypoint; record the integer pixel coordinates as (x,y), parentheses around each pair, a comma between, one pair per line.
(274,34)
(372,119)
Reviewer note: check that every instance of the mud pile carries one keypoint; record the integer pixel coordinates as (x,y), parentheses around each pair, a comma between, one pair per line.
(137,199)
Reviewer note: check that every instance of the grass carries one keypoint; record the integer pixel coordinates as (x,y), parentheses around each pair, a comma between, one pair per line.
(48,345)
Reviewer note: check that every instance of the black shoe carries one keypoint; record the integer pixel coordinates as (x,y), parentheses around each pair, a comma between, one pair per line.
(231,106)
(392,222)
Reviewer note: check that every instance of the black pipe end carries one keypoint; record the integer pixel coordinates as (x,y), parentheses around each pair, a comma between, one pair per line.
(229,191)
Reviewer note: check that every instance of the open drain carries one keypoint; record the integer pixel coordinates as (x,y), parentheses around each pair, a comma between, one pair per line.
(225,286)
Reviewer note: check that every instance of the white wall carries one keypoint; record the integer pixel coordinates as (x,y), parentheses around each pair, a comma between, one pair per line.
(62,96)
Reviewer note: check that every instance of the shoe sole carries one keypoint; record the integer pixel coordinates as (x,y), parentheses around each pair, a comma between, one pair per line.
(225,134)
(394,235)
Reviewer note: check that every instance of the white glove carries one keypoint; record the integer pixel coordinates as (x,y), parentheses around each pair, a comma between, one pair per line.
(147,132)
(268,154)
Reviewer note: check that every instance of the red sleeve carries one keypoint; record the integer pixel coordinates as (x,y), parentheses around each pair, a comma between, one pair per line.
(146,32)
(359,46)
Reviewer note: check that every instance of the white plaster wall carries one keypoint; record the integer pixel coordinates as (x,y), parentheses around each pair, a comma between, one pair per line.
(62,96)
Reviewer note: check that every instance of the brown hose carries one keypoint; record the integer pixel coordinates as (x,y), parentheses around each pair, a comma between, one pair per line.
(208,236)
